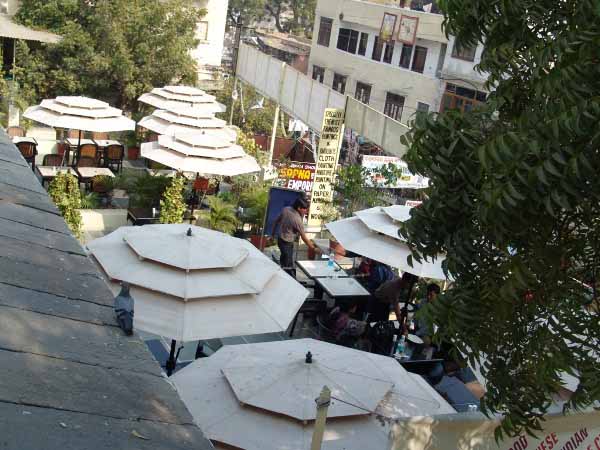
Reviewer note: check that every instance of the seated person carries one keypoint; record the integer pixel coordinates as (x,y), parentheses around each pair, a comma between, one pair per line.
(343,326)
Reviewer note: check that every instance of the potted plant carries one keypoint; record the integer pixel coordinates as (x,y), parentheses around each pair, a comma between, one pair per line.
(220,216)
(254,202)
(64,192)
(133,148)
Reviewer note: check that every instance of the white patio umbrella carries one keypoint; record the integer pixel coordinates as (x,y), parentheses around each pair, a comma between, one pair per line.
(174,97)
(159,122)
(190,283)
(262,396)
(79,113)
(372,234)
(168,152)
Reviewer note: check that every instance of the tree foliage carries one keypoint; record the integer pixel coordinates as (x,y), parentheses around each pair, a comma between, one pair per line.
(172,206)
(64,192)
(113,50)
(220,216)
(290,16)
(514,203)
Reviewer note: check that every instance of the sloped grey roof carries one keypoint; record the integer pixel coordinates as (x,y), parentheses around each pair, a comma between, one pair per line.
(69,376)
(10,29)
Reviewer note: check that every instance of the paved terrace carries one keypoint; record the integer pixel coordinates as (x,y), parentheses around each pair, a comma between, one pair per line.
(69,378)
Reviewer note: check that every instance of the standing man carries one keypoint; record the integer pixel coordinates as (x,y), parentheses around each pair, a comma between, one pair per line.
(291,226)
(389,296)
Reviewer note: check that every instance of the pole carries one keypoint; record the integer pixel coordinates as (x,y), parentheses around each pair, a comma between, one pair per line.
(236,51)
(274,135)
(322,406)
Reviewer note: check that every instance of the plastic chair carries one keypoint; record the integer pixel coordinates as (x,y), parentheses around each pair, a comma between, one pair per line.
(29,152)
(113,157)
(53,160)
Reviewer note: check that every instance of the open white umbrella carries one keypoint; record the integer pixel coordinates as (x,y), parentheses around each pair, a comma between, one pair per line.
(373,234)
(203,145)
(174,97)
(190,283)
(169,153)
(159,122)
(262,396)
(79,113)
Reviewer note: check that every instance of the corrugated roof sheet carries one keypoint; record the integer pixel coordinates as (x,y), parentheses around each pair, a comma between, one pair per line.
(70,378)
(10,29)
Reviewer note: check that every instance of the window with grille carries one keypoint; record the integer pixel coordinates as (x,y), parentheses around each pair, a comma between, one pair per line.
(339,83)
(394,105)
(377,49)
(463,52)
(347,40)
(418,64)
(389,52)
(362,44)
(318,73)
(363,92)
(406,56)
(325,31)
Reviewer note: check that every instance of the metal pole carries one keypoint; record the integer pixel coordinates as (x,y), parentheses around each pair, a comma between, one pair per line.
(322,405)
(236,51)
(170,366)
(274,134)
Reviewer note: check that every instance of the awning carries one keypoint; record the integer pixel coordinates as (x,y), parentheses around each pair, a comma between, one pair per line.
(9,29)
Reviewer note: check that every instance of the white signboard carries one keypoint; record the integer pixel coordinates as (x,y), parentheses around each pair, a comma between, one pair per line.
(406,181)
(328,155)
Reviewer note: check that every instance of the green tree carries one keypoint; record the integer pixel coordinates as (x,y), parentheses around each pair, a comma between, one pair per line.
(112,50)
(220,216)
(248,11)
(172,206)
(301,15)
(514,203)
(64,192)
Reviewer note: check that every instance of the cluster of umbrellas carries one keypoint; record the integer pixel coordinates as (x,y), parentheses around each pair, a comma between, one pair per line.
(374,233)
(191,138)
(262,396)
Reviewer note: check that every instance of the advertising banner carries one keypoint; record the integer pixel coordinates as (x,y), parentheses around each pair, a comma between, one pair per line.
(328,155)
(296,175)
(406,181)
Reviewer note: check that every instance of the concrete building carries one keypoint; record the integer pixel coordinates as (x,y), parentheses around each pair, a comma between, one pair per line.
(418,69)
(210,31)
(290,49)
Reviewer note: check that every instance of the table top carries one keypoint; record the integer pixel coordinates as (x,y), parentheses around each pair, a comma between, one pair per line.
(342,287)
(143,213)
(106,142)
(74,141)
(52,171)
(17,139)
(320,268)
(91,172)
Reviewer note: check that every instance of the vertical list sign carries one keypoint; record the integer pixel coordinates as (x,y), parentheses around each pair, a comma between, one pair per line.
(328,155)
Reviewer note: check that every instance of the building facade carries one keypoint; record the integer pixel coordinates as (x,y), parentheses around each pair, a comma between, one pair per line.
(210,33)
(414,68)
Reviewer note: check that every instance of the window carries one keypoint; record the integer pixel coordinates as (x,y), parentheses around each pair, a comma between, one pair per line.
(422,107)
(394,104)
(441,58)
(377,49)
(202,31)
(362,44)
(389,52)
(418,64)
(363,92)
(406,56)
(347,40)
(466,53)
(318,73)
(325,31)
(463,99)
(339,83)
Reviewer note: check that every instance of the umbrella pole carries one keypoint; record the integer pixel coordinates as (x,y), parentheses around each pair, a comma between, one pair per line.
(322,406)
(171,361)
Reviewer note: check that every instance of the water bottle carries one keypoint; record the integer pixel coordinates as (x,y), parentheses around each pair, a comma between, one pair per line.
(400,347)
(331,260)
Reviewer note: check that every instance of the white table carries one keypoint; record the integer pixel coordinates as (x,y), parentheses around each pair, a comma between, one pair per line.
(342,287)
(106,142)
(91,172)
(48,173)
(17,139)
(73,142)
(320,269)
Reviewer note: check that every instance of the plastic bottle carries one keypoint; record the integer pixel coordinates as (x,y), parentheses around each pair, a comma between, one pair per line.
(400,347)
(331,260)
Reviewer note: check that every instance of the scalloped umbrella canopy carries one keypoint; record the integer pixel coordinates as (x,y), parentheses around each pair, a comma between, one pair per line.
(202,285)
(261,396)
(79,113)
(202,145)
(172,98)
(162,126)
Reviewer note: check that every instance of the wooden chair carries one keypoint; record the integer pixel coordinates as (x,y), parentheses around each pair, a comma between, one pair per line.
(74,134)
(85,161)
(113,157)
(15,132)
(29,152)
(88,151)
(103,136)
(53,160)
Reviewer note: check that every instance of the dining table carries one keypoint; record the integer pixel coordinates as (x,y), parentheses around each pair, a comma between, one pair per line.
(19,139)
(48,173)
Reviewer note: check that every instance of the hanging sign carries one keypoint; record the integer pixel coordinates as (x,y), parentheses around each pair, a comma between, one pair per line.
(328,155)
(296,175)
(407,31)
